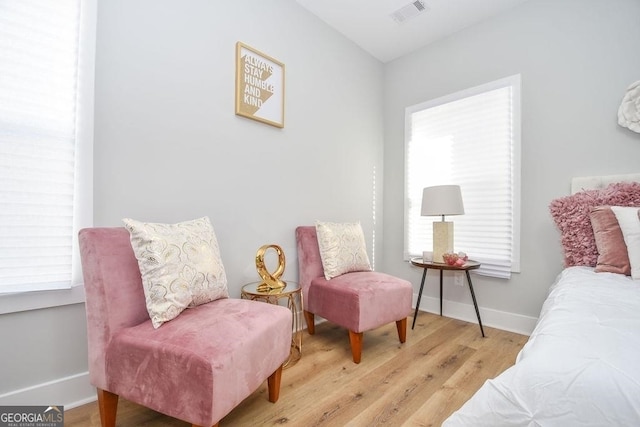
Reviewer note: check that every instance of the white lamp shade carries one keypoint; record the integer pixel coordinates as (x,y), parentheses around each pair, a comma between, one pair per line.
(442,200)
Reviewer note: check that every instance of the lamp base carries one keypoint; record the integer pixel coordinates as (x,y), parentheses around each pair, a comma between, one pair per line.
(442,239)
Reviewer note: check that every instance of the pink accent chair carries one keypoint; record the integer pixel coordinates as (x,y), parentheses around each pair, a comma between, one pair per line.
(358,301)
(196,367)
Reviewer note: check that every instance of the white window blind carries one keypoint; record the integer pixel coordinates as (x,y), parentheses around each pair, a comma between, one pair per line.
(471,138)
(39,62)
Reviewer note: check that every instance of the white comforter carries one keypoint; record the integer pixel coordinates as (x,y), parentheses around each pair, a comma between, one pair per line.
(581,365)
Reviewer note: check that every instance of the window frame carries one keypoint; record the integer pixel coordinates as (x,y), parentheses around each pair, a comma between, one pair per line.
(83,180)
(514,82)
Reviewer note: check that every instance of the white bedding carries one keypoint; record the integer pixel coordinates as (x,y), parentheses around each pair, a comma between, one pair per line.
(581,365)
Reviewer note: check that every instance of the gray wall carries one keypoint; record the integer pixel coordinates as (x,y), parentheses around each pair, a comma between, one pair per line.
(44,356)
(168,148)
(576,58)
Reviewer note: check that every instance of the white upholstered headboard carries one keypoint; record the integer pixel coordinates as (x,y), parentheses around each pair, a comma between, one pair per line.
(595,182)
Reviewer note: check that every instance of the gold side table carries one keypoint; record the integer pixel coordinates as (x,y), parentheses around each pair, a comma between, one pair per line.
(292,293)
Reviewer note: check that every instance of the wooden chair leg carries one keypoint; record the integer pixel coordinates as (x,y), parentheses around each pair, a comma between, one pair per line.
(401,325)
(273,383)
(108,406)
(355,338)
(310,319)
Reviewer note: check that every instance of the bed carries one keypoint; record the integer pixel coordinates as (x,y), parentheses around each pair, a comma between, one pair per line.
(581,364)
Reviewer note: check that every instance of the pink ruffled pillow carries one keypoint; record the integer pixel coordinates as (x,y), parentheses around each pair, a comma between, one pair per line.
(571,215)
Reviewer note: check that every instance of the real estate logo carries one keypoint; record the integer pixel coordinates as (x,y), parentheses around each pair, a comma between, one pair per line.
(32,416)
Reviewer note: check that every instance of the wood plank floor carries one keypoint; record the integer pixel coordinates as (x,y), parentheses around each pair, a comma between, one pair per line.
(419,383)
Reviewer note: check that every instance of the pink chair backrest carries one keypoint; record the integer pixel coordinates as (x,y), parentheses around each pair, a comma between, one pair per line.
(309,261)
(113,288)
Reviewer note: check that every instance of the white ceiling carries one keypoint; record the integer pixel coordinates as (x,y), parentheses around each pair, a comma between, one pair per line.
(368,22)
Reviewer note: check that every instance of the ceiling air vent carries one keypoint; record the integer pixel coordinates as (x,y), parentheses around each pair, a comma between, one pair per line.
(409,11)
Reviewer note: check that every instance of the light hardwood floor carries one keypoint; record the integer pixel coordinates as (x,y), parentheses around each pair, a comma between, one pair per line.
(419,383)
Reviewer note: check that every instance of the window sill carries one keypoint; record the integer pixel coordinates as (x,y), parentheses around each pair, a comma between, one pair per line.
(25,301)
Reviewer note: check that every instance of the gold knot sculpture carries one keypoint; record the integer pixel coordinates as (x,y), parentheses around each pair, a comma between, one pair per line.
(270,281)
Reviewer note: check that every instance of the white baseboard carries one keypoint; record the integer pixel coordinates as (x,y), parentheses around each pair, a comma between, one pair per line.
(493,318)
(71,391)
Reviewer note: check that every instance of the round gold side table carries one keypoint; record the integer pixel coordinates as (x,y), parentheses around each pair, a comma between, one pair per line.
(292,293)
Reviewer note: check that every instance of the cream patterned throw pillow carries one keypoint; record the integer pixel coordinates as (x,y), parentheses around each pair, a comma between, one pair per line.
(342,248)
(180,266)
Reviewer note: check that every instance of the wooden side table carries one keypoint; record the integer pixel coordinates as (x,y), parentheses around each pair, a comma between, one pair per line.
(292,293)
(469,265)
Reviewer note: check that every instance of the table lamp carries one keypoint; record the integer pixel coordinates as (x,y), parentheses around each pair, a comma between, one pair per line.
(442,200)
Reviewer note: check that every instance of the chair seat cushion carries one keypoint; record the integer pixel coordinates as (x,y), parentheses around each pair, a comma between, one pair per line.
(360,301)
(225,348)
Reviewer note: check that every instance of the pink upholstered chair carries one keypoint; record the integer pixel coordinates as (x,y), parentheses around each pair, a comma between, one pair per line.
(357,301)
(196,367)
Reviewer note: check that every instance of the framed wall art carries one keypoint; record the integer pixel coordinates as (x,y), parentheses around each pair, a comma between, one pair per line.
(259,86)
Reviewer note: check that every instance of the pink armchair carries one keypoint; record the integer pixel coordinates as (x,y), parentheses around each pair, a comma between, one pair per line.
(196,367)
(357,301)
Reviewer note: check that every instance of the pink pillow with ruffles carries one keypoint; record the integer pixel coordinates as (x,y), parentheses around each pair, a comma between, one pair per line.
(571,215)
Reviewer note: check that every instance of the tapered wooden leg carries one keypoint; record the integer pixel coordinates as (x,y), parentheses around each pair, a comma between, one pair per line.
(401,325)
(309,318)
(355,338)
(215,425)
(274,385)
(108,406)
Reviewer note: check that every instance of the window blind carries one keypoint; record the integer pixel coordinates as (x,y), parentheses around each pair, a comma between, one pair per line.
(470,138)
(39,45)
